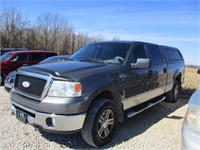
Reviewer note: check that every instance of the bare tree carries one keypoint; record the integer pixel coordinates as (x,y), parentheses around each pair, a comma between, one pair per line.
(13,25)
(50,32)
(51,28)
(67,39)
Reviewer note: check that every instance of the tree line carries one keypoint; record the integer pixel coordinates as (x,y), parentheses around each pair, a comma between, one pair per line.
(49,31)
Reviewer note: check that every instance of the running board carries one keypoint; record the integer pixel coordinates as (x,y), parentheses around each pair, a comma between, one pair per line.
(137,109)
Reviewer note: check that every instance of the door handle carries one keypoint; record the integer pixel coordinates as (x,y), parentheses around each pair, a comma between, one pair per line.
(150,72)
(25,64)
(165,70)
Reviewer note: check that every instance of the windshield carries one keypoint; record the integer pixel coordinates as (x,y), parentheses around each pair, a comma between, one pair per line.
(109,53)
(5,56)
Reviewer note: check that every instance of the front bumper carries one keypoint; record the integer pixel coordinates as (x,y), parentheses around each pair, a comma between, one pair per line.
(52,105)
(63,123)
(190,139)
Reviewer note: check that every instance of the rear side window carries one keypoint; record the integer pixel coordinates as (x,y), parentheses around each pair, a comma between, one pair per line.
(172,54)
(155,54)
(139,52)
(49,55)
(36,56)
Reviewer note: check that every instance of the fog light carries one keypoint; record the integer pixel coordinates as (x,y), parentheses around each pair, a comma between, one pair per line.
(50,122)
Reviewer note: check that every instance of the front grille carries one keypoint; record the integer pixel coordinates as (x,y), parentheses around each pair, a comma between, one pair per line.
(35,89)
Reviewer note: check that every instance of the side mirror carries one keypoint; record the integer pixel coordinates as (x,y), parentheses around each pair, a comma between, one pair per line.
(198,71)
(141,63)
(14,59)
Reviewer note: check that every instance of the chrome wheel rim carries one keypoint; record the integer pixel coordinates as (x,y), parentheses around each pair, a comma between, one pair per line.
(105,124)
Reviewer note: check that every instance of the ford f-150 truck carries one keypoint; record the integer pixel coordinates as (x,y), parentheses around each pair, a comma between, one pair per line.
(100,85)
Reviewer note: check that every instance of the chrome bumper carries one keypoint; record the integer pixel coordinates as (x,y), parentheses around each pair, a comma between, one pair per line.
(190,139)
(61,123)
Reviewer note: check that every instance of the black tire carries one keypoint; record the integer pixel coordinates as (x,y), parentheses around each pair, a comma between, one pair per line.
(2,80)
(172,96)
(100,123)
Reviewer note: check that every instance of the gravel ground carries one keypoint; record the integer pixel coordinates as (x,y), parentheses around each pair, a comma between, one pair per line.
(156,128)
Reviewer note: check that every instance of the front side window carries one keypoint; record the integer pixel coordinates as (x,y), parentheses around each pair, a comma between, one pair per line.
(139,52)
(21,57)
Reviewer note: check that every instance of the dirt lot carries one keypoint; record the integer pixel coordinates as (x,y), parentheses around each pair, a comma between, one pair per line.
(156,128)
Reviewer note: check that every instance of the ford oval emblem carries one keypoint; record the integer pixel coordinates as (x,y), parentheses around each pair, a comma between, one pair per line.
(26,84)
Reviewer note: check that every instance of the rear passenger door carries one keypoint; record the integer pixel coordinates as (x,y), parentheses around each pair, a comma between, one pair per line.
(158,69)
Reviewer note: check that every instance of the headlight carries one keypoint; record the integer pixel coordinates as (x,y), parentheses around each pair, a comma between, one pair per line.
(192,118)
(65,89)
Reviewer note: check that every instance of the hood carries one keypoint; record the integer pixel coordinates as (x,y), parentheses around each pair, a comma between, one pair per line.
(67,69)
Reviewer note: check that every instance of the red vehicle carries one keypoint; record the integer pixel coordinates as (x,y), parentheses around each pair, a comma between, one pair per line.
(10,61)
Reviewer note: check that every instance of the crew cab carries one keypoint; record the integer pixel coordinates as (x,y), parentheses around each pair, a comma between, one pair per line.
(12,60)
(100,85)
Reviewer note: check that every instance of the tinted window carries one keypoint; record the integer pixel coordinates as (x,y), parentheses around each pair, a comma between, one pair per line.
(21,57)
(156,55)
(49,55)
(36,57)
(139,52)
(173,54)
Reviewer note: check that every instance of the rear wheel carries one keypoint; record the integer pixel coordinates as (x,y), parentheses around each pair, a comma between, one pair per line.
(172,96)
(100,123)
(2,78)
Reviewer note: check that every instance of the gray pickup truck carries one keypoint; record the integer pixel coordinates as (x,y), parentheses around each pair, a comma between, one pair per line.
(99,85)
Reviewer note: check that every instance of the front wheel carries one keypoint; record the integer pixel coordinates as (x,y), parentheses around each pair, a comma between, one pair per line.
(100,123)
(172,96)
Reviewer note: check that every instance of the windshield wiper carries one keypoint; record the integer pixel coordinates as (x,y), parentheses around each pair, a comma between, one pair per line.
(91,60)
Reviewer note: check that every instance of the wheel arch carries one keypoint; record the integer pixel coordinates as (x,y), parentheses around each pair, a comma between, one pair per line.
(114,97)
(3,76)
(178,77)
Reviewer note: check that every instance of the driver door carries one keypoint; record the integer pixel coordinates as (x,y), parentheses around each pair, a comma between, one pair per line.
(17,61)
